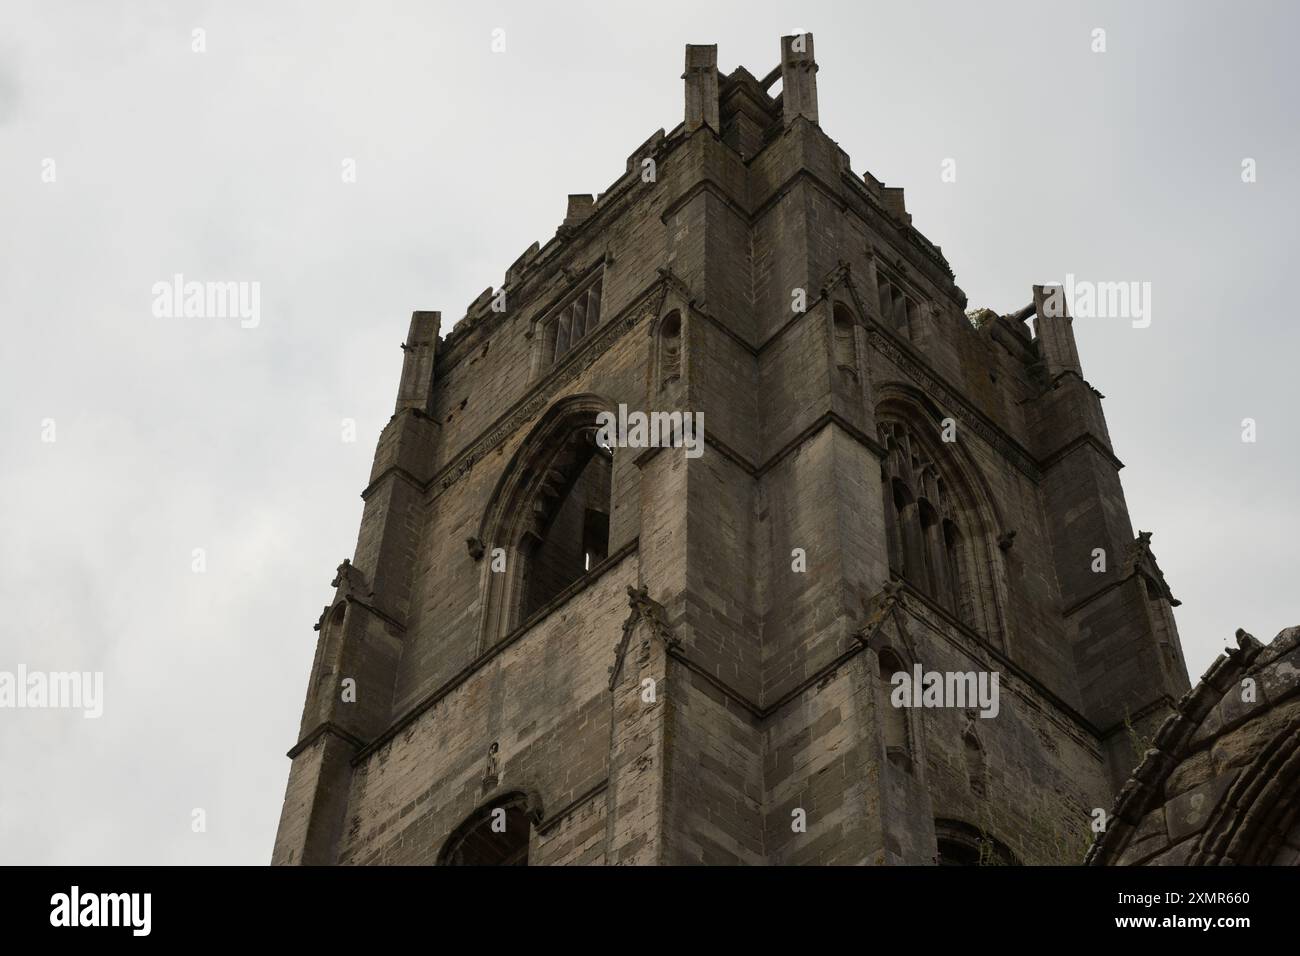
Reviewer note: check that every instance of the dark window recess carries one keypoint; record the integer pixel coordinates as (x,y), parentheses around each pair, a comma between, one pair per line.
(499,838)
(595,538)
(952,853)
(960,844)
(570,535)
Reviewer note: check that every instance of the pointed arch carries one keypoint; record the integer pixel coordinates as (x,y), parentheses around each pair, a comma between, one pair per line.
(669,350)
(549,513)
(940,519)
(885,635)
(498,833)
(960,844)
(895,725)
(844,347)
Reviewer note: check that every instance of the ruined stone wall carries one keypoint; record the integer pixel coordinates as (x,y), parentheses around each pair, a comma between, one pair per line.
(1219,781)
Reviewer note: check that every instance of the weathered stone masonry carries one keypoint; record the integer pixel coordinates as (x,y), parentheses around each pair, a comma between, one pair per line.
(1220,782)
(676,695)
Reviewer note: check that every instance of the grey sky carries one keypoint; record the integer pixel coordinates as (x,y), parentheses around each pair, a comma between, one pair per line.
(175,434)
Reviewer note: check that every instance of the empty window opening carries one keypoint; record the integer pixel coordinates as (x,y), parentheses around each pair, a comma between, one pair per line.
(955,853)
(497,836)
(570,532)
(960,844)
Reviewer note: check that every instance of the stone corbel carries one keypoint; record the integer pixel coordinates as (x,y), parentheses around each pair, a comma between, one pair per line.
(885,606)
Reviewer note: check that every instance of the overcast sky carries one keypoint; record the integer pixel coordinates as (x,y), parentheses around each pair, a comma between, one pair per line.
(173,434)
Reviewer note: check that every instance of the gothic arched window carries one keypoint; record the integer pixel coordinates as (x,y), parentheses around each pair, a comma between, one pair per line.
(921,521)
(549,521)
(934,535)
(569,531)
(960,844)
(495,835)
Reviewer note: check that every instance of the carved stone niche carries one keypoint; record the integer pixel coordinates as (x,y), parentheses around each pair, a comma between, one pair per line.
(490,777)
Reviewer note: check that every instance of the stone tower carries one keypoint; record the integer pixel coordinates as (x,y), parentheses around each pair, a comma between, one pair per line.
(547,650)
